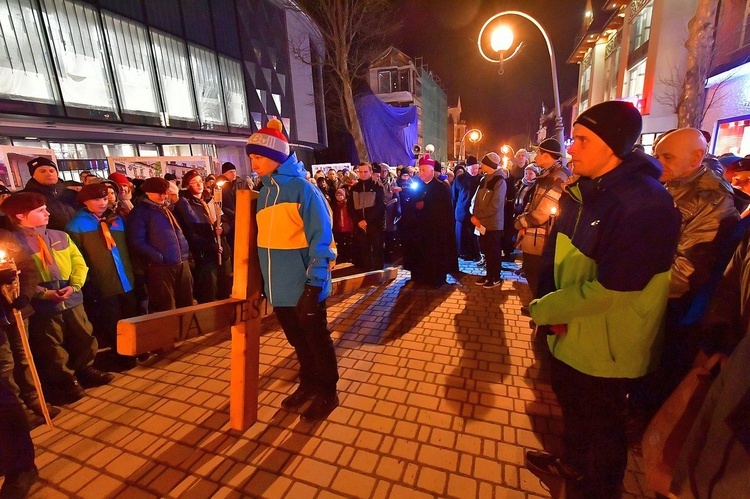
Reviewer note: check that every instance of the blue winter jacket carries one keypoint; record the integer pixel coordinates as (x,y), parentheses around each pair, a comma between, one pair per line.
(154,237)
(295,235)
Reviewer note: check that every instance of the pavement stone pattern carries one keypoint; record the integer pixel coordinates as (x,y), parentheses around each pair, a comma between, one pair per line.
(442,391)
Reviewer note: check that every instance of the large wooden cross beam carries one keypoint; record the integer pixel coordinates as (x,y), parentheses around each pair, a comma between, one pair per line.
(241,313)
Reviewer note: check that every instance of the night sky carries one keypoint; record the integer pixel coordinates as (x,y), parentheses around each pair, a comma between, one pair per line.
(505,107)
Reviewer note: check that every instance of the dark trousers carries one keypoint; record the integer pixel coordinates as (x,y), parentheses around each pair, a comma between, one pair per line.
(105,312)
(20,379)
(593,411)
(491,244)
(16,448)
(531,266)
(312,343)
(169,287)
(62,344)
(205,280)
(468,245)
(344,246)
(368,248)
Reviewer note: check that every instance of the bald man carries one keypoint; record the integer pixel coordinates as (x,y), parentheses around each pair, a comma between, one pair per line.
(705,202)
(708,215)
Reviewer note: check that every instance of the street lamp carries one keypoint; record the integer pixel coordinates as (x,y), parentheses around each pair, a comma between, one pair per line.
(475,135)
(502,39)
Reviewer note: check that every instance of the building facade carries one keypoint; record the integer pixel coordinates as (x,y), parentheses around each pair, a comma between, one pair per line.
(634,50)
(104,78)
(397,80)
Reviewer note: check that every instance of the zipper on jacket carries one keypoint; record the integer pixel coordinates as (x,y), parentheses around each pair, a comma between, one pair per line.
(268,250)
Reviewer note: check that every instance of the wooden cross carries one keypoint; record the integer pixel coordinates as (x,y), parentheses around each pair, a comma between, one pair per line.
(242,313)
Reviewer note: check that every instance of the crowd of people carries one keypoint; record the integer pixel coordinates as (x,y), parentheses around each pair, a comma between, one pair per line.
(613,248)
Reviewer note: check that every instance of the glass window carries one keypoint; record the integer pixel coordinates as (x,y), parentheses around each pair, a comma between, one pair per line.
(612,65)
(234,92)
(634,83)
(79,52)
(403,80)
(174,76)
(131,60)
(148,150)
(207,86)
(384,82)
(640,28)
(177,150)
(25,66)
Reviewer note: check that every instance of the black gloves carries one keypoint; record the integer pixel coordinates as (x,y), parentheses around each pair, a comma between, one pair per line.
(308,302)
(7,276)
(21,302)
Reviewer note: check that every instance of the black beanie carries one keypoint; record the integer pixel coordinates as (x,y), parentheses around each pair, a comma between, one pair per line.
(40,161)
(227,167)
(617,123)
(471,160)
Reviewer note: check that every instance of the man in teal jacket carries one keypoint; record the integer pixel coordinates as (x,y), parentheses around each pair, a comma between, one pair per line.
(296,251)
(604,286)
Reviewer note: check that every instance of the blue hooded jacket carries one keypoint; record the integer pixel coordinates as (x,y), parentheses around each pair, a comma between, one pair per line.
(295,235)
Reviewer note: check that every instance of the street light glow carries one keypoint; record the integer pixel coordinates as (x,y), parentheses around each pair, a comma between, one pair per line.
(501,39)
(474,136)
(505,149)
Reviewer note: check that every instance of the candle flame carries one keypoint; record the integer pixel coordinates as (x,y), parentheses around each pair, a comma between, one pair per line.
(554,210)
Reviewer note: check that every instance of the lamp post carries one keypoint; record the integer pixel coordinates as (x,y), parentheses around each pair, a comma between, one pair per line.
(475,135)
(502,39)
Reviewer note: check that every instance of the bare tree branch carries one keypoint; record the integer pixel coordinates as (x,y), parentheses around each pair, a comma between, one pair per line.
(354,33)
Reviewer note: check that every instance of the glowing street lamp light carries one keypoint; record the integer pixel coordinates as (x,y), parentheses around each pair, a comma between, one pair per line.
(501,40)
(475,135)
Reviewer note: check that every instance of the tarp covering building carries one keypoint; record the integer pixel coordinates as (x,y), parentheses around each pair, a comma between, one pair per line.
(389,132)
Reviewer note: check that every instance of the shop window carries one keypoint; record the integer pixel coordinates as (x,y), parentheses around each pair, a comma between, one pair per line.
(131,60)
(172,66)
(733,136)
(207,87)
(234,92)
(79,52)
(25,65)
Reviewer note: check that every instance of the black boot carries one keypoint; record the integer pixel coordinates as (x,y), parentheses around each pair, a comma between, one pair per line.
(35,406)
(321,406)
(301,395)
(90,377)
(17,485)
(65,392)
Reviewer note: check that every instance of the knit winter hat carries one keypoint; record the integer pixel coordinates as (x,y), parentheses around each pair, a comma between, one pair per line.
(119,179)
(21,203)
(617,123)
(40,161)
(551,147)
(189,175)
(155,184)
(426,160)
(228,166)
(471,160)
(492,160)
(92,191)
(269,142)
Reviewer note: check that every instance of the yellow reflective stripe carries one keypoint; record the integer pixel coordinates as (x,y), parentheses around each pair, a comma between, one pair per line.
(280,227)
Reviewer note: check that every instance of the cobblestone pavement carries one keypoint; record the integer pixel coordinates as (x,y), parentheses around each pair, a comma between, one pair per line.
(441,393)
